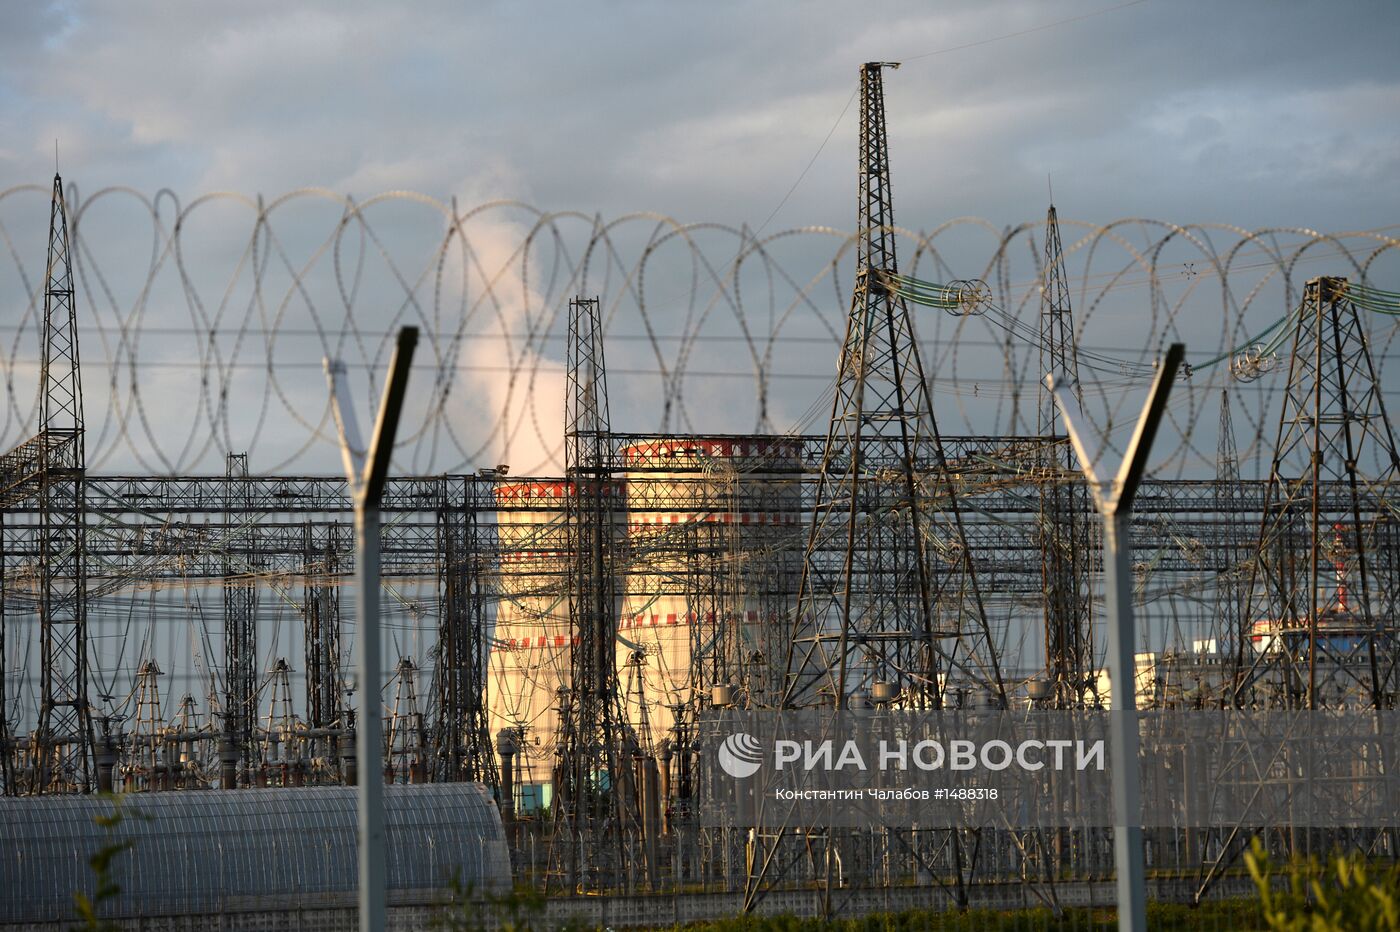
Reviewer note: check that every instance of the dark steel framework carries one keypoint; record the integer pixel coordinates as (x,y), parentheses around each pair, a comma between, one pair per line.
(64,738)
(7,773)
(240,621)
(325,685)
(1320,588)
(888,593)
(1065,531)
(586,846)
(1235,554)
(464,749)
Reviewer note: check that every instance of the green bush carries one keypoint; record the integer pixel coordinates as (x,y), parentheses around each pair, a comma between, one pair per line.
(1345,895)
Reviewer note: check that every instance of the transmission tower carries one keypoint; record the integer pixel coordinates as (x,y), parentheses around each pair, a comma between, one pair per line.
(64,739)
(888,595)
(325,691)
(150,724)
(240,620)
(588,838)
(277,747)
(1064,509)
(405,736)
(464,748)
(715,632)
(7,776)
(1231,594)
(1320,597)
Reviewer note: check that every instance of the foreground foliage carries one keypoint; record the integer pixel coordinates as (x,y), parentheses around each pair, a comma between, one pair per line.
(1347,894)
(102,863)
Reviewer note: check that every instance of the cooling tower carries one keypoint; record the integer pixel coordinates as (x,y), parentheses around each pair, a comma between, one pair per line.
(529,660)
(708,566)
(714,540)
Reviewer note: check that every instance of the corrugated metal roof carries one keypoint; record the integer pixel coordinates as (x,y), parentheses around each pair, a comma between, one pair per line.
(207,851)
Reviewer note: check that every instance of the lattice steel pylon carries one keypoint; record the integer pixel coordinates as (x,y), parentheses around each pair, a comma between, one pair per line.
(325,688)
(240,621)
(277,744)
(150,722)
(7,776)
(1064,525)
(1231,593)
(406,735)
(1320,619)
(64,738)
(888,593)
(587,843)
(715,632)
(463,747)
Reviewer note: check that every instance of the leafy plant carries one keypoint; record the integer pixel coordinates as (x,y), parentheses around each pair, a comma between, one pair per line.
(1345,895)
(520,910)
(102,864)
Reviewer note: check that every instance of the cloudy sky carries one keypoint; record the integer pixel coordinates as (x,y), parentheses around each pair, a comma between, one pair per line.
(1254,113)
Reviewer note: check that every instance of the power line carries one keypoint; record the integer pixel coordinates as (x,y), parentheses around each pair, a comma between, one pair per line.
(1024,32)
(810,162)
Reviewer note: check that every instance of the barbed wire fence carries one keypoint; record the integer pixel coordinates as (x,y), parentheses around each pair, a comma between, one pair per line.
(206,322)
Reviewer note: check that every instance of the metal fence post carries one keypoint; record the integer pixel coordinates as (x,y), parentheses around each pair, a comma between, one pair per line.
(1114,499)
(366,470)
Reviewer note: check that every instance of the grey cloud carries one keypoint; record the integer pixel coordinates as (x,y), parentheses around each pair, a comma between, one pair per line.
(703,111)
